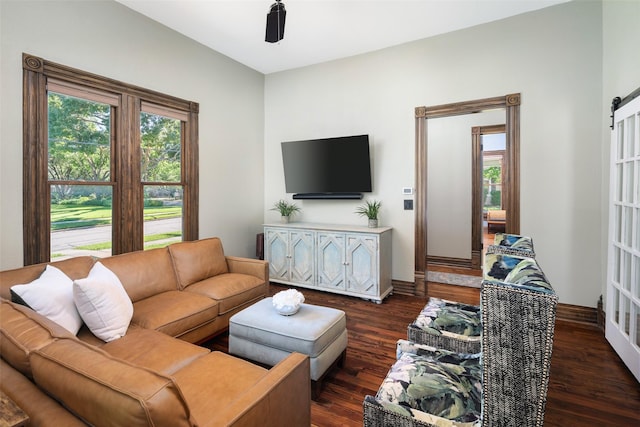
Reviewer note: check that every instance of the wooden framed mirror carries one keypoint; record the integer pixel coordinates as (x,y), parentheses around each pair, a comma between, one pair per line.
(511,196)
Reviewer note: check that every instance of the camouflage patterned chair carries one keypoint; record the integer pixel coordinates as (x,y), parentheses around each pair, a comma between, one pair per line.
(447,325)
(436,388)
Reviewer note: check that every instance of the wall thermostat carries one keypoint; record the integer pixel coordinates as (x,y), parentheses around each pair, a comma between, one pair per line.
(407,191)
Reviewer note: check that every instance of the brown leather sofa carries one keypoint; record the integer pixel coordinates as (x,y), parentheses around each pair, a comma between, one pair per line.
(155,374)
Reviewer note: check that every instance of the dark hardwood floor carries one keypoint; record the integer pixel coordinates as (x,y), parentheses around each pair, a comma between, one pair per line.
(589,385)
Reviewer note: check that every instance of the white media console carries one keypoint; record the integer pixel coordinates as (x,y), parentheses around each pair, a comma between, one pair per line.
(343,259)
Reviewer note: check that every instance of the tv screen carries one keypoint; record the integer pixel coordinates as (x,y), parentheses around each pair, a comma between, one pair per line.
(327,168)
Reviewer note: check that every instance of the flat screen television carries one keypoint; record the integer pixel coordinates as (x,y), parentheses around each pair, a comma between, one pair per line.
(329,168)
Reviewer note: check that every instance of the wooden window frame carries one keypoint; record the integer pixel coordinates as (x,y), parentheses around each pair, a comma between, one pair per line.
(128,221)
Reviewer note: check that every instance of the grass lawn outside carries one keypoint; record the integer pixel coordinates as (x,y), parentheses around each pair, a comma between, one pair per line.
(149,238)
(78,216)
(86,219)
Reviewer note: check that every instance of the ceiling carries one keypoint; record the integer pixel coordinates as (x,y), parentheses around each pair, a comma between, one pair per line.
(318,31)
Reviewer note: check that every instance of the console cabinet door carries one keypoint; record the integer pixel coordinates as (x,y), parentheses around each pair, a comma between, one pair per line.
(330,260)
(301,245)
(277,253)
(362,264)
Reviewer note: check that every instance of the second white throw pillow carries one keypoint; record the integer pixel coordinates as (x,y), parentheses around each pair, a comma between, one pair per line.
(103,303)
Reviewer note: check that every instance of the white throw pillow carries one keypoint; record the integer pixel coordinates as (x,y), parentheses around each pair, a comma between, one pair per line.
(103,303)
(51,295)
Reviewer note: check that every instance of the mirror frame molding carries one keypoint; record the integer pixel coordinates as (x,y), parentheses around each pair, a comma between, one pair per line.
(511,198)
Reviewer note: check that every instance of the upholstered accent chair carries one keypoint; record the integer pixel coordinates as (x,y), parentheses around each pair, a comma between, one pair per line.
(437,388)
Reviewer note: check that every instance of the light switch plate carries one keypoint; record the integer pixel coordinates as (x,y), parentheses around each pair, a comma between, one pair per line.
(407,191)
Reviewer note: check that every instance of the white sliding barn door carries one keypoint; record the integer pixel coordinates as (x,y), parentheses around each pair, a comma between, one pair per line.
(623,271)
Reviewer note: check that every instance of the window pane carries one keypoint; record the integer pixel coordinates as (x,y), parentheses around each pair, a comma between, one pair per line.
(620,147)
(616,265)
(625,314)
(492,183)
(636,221)
(161,146)
(629,181)
(162,215)
(617,232)
(636,278)
(630,133)
(626,262)
(79,147)
(80,221)
(636,182)
(628,226)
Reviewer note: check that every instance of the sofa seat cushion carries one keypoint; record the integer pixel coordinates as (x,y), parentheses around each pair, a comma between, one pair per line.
(198,260)
(231,290)
(214,381)
(441,316)
(437,387)
(22,331)
(97,387)
(154,350)
(175,312)
(449,325)
(85,334)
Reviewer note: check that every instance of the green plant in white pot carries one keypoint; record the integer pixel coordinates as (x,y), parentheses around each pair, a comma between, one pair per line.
(370,209)
(286,209)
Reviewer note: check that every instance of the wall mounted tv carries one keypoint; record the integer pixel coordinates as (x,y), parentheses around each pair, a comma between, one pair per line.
(329,168)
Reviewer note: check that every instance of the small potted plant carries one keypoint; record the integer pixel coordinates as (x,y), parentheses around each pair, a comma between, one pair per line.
(370,209)
(286,209)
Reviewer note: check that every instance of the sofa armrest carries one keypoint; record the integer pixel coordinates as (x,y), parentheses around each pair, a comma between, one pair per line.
(280,398)
(253,267)
(41,408)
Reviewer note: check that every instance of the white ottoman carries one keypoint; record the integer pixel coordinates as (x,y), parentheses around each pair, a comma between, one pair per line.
(260,334)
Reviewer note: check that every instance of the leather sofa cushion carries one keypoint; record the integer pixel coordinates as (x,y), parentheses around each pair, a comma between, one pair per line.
(198,260)
(22,331)
(143,273)
(97,387)
(75,268)
(231,290)
(168,356)
(175,312)
(213,382)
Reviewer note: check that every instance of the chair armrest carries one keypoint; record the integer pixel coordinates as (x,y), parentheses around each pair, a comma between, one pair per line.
(252,267)
(407,346)
(281,398)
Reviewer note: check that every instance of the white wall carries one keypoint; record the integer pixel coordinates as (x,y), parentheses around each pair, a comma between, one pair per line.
(106,38)
(553,57)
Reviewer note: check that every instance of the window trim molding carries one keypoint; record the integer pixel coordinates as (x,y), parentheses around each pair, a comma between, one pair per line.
(128,231)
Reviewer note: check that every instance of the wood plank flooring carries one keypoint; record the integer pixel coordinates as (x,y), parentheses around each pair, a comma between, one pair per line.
(589,384)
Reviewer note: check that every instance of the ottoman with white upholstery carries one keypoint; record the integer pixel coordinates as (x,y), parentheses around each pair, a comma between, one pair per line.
(260,334)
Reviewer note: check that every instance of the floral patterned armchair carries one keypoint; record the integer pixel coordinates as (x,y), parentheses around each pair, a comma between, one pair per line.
(504,385)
